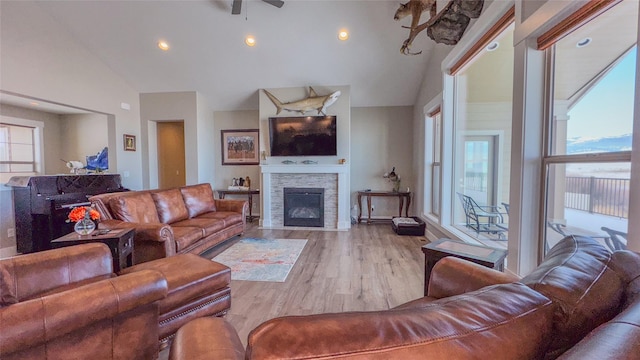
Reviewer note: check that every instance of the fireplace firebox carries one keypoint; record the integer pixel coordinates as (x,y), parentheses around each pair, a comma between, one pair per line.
(304,207)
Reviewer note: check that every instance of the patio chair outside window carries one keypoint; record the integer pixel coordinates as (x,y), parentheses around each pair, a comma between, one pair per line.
(615,239)
(482,218)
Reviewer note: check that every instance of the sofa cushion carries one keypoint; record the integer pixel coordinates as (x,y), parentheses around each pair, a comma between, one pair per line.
(508,321)
(209,226)
(576,275)
(186,236)
(137,208)
(170,206)
(7,287)
(198,198)
(229,218)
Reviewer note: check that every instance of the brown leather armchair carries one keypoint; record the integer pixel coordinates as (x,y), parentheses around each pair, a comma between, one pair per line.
(67,304)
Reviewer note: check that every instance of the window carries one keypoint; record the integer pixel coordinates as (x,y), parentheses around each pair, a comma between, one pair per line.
(482,136)
(436,166)
(588,162)
(17,149)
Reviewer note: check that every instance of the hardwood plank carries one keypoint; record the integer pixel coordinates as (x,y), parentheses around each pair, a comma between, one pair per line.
(366,268)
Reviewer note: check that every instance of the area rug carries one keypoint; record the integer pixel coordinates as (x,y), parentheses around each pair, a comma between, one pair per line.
(261,259)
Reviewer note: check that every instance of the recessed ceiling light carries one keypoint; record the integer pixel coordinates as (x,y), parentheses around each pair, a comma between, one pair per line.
(493,46)
(584,42)
(343,35)
(34,103)
(250,40)
(163,45)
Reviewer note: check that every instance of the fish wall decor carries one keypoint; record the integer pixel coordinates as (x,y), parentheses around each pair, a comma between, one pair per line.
(311,102)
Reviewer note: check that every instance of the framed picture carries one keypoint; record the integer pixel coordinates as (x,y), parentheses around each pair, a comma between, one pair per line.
(240,147)
(129,142)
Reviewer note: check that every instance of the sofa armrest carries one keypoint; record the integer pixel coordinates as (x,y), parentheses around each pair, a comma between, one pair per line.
(207,338)
(151,241)
(35,322)
(453,276)
(238,206)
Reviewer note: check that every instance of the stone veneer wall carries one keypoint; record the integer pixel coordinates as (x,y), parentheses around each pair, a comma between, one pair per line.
(329,182)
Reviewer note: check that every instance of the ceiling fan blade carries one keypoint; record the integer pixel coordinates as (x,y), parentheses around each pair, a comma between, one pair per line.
(276,3)
(236,7)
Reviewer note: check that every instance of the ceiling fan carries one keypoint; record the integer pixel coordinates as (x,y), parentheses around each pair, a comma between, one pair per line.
(236,7)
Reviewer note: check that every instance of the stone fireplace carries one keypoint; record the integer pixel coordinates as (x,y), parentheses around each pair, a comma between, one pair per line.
(332,179)
(304,207)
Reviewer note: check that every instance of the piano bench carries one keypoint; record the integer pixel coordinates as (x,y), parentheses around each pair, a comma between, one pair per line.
(198,287)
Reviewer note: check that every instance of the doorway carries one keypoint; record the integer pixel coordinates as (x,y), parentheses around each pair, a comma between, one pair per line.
(480,169)
(171,154)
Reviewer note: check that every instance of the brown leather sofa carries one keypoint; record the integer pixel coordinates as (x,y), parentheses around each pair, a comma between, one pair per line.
(174,221)
(67,304)
(582,300)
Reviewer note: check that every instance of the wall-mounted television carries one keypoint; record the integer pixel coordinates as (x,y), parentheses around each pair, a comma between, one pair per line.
(303,136)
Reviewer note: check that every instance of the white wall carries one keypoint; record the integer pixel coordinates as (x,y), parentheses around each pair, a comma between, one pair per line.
(44,62)
(84,134)
(233,120)
(381,138)
(206,148)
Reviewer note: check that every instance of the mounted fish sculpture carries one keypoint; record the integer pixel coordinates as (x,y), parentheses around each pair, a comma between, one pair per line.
(311,102)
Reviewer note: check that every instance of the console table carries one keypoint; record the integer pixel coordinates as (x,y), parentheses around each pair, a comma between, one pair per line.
(249,193)
(401,195)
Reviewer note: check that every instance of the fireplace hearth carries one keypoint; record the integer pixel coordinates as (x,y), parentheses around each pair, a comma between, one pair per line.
(304,207)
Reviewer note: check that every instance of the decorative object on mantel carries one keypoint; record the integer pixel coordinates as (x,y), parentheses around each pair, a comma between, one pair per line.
(445,27)
(311,102)
(394,178)
(84,217)
(129,142)
(308,162)
(289,162)
(240,147)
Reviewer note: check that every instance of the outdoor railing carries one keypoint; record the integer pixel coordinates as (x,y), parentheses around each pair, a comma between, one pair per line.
(606,196)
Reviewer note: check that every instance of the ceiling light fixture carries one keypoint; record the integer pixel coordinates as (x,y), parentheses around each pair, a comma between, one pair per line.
(343,35)
(34,103)
(250,40)
(163,45)
(493,46)
(584,42)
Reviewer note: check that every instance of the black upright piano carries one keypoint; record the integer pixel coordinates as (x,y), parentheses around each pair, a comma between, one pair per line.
(42,204)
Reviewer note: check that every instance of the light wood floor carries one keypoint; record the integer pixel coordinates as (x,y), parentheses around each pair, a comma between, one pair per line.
(366,268)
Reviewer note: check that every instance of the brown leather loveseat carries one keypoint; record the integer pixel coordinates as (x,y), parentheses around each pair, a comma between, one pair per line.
(582,300)
(67,304)
(174,221)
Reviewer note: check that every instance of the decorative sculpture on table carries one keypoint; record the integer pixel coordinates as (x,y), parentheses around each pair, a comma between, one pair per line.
(98,162)
(394,178)
(444,27)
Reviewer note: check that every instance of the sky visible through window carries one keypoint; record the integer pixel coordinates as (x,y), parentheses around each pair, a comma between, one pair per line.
(607,110)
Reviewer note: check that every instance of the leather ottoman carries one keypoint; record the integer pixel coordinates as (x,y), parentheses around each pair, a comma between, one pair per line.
(197,287)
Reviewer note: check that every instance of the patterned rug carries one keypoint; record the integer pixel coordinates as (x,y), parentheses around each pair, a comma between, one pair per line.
(261,259)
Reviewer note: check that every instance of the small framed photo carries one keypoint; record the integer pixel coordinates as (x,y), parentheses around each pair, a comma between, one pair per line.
(240,147)
(129,142)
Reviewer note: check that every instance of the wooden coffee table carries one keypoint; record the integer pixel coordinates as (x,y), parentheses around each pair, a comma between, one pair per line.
(119,241)
(483,255)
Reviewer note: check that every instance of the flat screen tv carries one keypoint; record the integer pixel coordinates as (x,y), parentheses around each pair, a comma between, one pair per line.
(303,136)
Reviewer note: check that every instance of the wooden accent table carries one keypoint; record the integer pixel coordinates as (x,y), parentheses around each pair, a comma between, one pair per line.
(401,195)
(483,255)
(119,241)
(249,193)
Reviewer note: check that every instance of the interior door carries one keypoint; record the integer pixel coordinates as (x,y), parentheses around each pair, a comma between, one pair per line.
(480,169)
(171,154)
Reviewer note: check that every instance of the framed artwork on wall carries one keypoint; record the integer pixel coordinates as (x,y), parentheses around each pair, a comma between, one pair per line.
(129,142)
(240,147)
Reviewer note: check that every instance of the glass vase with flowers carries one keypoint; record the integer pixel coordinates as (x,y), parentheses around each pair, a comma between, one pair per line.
(84,218)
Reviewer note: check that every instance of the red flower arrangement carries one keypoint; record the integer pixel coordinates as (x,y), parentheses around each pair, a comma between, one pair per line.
(80,213)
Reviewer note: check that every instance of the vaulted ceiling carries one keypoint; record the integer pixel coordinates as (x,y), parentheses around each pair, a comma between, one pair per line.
(297,45)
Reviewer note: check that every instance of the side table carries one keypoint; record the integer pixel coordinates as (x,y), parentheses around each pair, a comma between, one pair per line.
(119,241)
(249,193)
(483,255)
